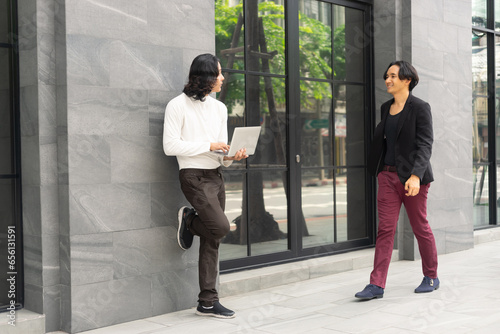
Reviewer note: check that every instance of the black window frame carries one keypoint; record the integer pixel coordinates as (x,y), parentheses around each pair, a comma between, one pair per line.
(296,252)
(492,163)
(13,45)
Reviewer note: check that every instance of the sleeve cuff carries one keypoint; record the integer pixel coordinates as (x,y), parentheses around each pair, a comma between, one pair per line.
(225,163)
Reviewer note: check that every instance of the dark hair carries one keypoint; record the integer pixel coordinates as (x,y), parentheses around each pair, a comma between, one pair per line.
(202,76)
(406,71)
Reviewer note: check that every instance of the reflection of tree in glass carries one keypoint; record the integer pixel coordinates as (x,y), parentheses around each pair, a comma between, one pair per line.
(267,54)
(315,51)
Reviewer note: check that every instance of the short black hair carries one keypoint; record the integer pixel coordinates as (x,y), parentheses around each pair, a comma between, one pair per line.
(406,71)
(203,75)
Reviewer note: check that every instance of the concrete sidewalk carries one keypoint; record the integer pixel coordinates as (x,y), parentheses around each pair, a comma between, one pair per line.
(468,301)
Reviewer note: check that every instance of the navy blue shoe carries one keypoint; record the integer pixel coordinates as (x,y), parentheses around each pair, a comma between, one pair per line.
(428,285)
(370,291)
(184,236)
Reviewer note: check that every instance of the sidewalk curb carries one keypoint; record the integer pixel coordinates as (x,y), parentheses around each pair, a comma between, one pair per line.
(257,279)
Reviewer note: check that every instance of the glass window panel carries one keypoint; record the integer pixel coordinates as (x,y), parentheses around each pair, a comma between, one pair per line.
(264,221)
(350,203)
(5,68)
(480,129)
(5,114)
(267,212)
(480,211)
(497,15)
(232,95)
(229,34)
(480,157)
(4,21)
(349,44)
(479,13)
(231,247)
(497,65)
(485,222)
(315,39)
(317,207)
(269,37)
(497,143)
(6,219)
(266,106)
(497,116)
(479,97)
(349,125)
(316,133)
(341,204)
(479,64)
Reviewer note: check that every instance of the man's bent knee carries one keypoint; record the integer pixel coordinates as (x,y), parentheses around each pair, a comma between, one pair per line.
(221,231)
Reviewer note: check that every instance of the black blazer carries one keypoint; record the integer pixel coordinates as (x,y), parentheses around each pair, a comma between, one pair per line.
(413,142)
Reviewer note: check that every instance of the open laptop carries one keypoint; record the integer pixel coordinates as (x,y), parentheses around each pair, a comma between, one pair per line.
(243,137)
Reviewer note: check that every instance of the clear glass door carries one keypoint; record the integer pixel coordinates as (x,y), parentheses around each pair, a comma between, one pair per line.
(298,69)
(332,112)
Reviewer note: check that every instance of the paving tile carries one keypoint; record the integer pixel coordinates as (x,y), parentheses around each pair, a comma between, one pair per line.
(367,322)
(200,325)
(489,324)
(133,327)
(304,324)
(174,318)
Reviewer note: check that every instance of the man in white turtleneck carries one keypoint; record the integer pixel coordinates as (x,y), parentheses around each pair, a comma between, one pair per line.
(195,127)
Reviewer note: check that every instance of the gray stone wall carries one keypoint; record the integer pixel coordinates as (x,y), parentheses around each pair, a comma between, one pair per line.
(100,197)
(39,158)
(435,37)
(125,61)
(443,53)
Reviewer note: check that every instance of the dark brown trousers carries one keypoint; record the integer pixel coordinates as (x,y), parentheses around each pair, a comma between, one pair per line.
(204,189)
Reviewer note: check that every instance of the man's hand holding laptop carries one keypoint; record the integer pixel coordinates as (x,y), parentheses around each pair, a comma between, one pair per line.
(243,143)
(241,154)
(224,148)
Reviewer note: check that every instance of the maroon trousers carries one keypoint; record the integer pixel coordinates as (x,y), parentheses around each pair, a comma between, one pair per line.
(391,194)
(204,189)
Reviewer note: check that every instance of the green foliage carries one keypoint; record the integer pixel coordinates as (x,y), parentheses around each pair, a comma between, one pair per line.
(315,53)
(226,19)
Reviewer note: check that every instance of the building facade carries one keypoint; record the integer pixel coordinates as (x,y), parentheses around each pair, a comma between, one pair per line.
(92,199)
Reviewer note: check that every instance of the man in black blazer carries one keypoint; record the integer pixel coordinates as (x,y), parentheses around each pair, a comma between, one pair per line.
(400,158)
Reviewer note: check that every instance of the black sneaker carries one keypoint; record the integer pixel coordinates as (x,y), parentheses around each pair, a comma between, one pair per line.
(184,236)
(216,310)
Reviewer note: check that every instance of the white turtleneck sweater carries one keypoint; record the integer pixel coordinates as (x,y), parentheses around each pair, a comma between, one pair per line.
(189,128)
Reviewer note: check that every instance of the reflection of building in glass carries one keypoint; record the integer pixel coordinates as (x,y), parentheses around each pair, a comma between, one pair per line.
(486,111)
(480,89)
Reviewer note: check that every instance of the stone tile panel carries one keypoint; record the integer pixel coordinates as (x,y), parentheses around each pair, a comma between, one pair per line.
(108,208)
(91,258)
(108,303)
